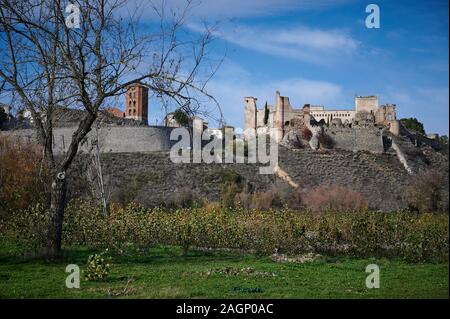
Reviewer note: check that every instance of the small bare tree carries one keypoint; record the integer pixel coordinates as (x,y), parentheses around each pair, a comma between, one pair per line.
(94,173)
(84,54)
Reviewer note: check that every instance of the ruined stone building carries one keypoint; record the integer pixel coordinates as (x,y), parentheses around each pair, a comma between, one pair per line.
(282,118)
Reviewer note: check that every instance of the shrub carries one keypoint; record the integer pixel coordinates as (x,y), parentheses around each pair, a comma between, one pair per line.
(413,236)
(265,200)
(232,185)
(294,199)
(30,225)
(424,192)
(443,142)
(181,117)
(98,266)
(413,124)
(296,142)
(228,194)
(209,207)
(183,198)
(23,175)
(305,133)
(334,198)
(325,141)
(244,199)
(127,192)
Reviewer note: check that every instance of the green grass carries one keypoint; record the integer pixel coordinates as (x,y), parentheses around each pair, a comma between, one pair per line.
(161,272)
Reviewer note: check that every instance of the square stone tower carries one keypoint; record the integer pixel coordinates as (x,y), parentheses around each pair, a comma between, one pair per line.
(367,104)
(137,103)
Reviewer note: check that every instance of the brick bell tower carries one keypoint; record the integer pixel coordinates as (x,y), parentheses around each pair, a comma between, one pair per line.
(137,103)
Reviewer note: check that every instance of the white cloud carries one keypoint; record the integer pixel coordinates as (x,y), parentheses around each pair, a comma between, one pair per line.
(314,38)
(229,9)
(320,46)
(301,43)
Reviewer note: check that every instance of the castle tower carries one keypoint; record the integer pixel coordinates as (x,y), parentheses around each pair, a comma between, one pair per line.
(250,113)
(278,119)
(282,116)
(367,104)
(137,103)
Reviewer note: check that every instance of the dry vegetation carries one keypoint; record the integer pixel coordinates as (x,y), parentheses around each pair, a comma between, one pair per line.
(424,192)
(334,198)
(316,200)
(23,175)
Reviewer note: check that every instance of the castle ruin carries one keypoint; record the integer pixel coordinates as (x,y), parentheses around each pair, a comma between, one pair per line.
(372,152)
(358,129)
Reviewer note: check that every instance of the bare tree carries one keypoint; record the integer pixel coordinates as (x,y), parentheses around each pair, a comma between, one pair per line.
(94,172)
(49,61)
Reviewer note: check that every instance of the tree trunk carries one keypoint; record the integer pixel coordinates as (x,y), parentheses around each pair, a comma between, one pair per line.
(57,205)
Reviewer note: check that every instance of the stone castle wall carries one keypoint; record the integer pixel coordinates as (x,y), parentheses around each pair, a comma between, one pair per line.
(112,139)
(357,138)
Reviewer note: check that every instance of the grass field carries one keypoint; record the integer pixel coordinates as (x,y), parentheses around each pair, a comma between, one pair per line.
(161,272)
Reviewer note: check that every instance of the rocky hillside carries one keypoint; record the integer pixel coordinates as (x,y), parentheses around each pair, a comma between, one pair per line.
(151,178)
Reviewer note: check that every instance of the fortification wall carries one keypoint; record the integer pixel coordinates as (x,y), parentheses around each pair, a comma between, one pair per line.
(112,139)
(136,163)
(357,138)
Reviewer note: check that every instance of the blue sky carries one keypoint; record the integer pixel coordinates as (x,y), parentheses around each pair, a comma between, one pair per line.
(320,52)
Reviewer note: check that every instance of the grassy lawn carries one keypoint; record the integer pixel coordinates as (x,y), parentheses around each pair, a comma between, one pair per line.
(161,272)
